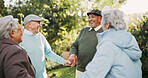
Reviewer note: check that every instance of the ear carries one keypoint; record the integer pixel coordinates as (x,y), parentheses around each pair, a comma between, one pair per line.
(100,19)
(12,34)
(107,26)
(27,25)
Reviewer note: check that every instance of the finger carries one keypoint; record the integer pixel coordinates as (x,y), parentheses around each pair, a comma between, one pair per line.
(68,62)
(74,62)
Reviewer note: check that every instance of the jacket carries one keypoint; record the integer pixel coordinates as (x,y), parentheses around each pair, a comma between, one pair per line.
(14,61)
(118,56)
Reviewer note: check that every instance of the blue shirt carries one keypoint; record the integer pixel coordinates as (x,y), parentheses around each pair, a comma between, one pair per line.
(37,47)
(118,56)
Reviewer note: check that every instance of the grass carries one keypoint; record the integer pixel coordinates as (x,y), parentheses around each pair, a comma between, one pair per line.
(69,72)
(66,72)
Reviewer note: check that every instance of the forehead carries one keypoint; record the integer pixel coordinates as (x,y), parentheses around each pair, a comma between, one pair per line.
(35,21)
(90,15)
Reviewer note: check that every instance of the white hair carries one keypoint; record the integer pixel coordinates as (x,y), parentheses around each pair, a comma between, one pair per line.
(113,17)
(7,24)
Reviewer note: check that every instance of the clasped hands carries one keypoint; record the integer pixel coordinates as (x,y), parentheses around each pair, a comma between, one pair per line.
(71,61)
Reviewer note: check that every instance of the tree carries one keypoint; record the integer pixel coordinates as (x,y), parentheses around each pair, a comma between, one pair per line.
(64,18)
(2,9)
(60,14)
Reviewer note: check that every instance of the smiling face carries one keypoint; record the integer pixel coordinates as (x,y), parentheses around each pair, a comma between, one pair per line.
(35,26)
(94,20)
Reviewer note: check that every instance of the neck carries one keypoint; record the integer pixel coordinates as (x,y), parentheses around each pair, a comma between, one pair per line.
(14,40)
(33,32)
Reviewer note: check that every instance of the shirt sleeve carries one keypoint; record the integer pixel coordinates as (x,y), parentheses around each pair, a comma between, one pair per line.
(74,46)
(49,54)
(15,65)
(102,61)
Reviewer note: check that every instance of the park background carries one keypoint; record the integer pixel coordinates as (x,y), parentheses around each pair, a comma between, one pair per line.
(65,18)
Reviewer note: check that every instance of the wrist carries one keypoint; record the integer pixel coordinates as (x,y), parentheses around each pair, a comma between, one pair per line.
(72,55)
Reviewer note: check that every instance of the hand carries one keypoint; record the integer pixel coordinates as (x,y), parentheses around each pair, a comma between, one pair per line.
(67,63)
(72,59)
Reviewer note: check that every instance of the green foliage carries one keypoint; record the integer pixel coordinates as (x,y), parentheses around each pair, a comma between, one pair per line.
(56,12)
(2,4)
(50,65)
(59,14)
(139,28)
(2,8)
(63,18)
(67,72)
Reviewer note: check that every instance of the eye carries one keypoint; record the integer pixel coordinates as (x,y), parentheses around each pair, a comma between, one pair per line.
(37,24)
(93,16)
(89,17)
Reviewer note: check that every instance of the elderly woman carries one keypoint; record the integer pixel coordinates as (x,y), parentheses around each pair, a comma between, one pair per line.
(14,61)
(118,54)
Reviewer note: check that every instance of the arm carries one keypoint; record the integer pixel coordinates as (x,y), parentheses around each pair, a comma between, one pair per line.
(74,46)
(16,65)
(74,50)
(102,61)
(49,54)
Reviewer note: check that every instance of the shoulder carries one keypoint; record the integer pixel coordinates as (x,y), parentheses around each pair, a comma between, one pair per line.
(41,35)
(14,50)
(86,28)
(106,41)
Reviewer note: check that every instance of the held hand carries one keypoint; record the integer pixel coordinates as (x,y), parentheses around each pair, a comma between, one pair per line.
(67,63)
(72,59)
(48,76)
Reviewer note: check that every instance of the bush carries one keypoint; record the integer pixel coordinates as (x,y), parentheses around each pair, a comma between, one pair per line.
(140,30)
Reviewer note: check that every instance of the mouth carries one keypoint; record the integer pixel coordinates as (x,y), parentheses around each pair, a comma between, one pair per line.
(38,28)
(91,23)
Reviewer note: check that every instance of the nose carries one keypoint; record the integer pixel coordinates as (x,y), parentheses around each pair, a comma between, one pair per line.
(39,25)
(21,32)
(89,19)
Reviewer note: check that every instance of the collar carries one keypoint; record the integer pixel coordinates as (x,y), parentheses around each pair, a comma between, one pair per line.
(96,29)
(28,32)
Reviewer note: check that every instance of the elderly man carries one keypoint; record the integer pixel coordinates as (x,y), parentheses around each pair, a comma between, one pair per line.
(84,46)
(14,61)
(37,46)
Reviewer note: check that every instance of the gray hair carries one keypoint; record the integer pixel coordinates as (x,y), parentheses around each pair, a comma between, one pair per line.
(114,17)
(7,24)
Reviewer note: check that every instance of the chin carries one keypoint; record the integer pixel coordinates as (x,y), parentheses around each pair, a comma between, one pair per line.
(93,27)
(19,41)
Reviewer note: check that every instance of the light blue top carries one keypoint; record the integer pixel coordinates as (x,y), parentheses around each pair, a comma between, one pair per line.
(37,47)
(118,56)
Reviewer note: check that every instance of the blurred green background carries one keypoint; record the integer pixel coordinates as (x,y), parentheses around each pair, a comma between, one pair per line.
(63,21)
